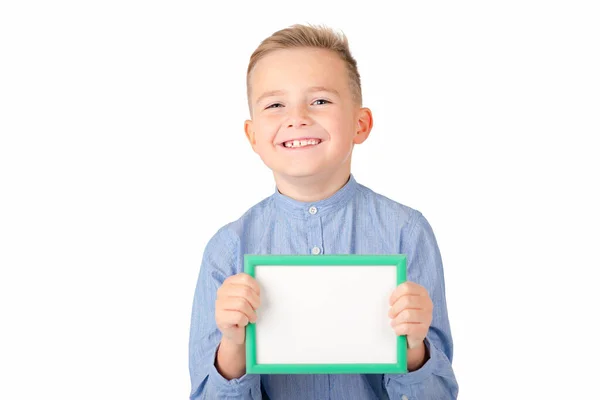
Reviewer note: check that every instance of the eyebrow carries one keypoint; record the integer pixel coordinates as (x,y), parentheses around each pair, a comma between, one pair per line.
(272,93)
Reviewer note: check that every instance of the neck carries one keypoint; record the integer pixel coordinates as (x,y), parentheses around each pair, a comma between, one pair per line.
(312,188)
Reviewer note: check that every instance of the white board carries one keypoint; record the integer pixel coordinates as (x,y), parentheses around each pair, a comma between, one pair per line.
(325,314)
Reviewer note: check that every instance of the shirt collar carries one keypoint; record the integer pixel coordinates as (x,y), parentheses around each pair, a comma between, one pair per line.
(317,208)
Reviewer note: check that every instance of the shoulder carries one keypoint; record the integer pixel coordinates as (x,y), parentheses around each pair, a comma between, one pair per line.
(388,208)
(230,234)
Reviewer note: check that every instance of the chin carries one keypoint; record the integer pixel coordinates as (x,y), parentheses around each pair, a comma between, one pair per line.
(294,170)
(298,173)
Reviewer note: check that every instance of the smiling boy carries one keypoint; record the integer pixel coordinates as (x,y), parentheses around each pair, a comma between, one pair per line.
(306,110)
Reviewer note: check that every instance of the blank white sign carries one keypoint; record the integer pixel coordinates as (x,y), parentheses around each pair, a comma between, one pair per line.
(325,314)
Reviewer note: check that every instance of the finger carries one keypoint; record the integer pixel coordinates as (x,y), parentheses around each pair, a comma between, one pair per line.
(406,302)
(243,291)
(407,288)
(239,304)
(411,316)
(408,329)
(229,319)
(245,279)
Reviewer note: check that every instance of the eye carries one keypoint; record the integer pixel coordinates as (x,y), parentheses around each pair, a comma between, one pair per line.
(321,102)
(276,105)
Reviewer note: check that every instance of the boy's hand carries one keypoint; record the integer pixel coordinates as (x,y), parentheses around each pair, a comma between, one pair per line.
(411,312)
(237,299)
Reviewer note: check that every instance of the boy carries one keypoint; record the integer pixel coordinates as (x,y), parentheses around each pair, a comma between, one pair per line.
(305,103)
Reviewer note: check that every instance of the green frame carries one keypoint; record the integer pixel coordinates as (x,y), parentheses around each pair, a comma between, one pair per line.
(251,261)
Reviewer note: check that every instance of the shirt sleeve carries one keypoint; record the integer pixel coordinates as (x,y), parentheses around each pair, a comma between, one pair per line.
(218,263)
(435,379)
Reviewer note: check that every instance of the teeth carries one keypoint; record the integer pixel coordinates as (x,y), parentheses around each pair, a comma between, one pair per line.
(301,143)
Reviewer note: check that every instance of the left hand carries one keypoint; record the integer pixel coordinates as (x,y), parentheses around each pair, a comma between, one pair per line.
(411,312)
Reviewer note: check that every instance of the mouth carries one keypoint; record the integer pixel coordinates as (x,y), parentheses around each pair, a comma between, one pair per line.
(301,143)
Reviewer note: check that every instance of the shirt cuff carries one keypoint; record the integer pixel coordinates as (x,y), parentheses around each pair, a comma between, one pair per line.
(422,373)
(237,386)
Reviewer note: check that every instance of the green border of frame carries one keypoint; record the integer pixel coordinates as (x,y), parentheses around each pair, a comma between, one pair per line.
(251,261)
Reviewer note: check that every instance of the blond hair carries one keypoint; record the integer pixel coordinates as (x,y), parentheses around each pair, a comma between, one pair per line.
(311,36)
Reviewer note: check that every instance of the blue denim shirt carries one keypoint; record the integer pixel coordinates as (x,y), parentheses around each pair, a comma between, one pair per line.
(355,220)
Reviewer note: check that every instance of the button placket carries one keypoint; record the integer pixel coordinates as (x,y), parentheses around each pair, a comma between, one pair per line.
(315,236)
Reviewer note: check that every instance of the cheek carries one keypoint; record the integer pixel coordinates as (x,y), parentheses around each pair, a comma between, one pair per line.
(341,117)
(340,127)
(265,132)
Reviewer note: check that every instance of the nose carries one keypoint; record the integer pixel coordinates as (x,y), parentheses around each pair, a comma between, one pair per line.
(298,117)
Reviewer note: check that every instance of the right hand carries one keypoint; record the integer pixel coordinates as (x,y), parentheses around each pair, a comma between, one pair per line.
(236,304)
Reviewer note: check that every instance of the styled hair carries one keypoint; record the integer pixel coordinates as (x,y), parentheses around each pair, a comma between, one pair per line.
(311,36)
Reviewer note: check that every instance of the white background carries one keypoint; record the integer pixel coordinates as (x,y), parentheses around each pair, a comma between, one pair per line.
(122,152)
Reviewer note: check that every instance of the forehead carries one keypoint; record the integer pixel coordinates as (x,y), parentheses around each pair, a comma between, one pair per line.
(305,67)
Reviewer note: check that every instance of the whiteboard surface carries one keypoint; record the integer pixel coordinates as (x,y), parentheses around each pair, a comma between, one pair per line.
(325,314)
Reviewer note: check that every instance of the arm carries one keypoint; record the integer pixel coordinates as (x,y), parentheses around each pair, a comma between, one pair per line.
(218,263)
(434,377)
(231,359)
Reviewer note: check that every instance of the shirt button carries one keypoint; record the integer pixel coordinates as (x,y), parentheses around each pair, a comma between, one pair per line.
(316,250)
(312,210)
(404,397)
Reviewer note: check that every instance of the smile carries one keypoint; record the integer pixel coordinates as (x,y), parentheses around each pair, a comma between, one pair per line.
(292,144)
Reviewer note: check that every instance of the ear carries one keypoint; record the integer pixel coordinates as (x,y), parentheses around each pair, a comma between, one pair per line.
(364,125)
(248,128)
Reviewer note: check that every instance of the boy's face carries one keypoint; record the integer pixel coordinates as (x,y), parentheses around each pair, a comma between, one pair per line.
(305,121)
